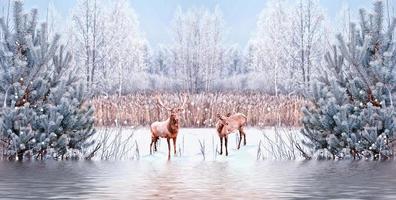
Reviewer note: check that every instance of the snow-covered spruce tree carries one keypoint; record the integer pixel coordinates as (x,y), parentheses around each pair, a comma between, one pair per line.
(44,112)
(352,113)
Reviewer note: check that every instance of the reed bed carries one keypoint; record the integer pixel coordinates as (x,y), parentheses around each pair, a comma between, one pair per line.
(141,109)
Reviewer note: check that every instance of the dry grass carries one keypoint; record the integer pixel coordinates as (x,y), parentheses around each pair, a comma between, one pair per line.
(141,109)
(113,144)
(282,144)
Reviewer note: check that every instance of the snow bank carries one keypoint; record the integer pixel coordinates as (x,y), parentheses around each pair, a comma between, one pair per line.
(197,144)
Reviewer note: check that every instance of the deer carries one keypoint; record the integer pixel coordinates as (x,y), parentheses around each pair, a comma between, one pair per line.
(228,124)
(169,128)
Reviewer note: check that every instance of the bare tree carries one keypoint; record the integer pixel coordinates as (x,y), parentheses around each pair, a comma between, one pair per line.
(198,47)
(287,49)
(88,36)
(310,31)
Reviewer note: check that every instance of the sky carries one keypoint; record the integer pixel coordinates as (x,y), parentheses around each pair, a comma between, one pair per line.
(240,16)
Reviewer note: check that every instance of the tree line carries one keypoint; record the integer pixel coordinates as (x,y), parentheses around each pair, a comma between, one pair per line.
(112,55)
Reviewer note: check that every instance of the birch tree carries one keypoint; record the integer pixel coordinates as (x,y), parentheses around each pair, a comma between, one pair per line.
(126,50)
(88,36)
(309,40)
(109,48)
(287,50)
(198,47)
(270,42)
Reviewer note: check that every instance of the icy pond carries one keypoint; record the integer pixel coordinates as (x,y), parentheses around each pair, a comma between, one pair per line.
(239,176)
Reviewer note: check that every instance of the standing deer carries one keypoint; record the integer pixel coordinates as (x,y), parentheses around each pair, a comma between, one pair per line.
(169,128)
(228,124)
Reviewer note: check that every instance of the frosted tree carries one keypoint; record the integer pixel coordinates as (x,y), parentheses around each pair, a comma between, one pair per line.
(251,56)
(44,111)
(308,41)
(126,51)
(161,70)
(54,20)
(161,61)
(88,35)
(234,62)
(108,47)
(271,41)
(198,47)
(231,71)
(288,45)
(352,113)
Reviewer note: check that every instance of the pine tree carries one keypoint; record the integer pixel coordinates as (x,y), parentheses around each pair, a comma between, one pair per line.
(352,113)
(44,111)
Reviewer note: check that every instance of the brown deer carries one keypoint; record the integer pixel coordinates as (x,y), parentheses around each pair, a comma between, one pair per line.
(228,124)
(169,128)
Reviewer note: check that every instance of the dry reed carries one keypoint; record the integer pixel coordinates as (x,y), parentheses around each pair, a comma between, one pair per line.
(141,109)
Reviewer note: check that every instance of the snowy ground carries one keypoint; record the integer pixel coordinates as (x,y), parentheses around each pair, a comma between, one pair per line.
(197,144)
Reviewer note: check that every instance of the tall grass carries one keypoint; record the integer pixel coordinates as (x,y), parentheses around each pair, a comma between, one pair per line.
(114,144)
(141,109)
(282,144)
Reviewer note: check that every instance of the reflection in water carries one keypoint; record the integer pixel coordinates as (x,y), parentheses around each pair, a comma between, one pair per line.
(197,180)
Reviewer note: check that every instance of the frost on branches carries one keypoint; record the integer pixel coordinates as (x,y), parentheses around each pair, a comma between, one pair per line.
(44,112)
(352,113)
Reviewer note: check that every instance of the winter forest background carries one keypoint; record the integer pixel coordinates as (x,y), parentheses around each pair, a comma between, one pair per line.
(284,54)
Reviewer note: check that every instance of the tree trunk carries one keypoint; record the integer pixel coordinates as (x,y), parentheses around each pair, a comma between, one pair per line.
(309,45)
(87,47)
(302,61)
(93,46)
(20,155)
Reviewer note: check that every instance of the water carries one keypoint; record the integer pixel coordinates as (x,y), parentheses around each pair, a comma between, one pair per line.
(180,179)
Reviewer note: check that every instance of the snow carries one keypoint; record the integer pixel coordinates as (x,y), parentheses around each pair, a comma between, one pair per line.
(194,144)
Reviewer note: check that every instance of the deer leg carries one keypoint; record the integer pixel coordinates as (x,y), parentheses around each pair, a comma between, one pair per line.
(242,131)
(168,140)
(174,145)
(240,139)
(226,144)
(221,145)
(151,146)
(155,143)
(244,138)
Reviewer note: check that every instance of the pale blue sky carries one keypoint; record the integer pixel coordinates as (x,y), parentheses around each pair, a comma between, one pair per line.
(240,15)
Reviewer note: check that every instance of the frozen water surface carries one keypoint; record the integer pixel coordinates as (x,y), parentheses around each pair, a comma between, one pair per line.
(239,176)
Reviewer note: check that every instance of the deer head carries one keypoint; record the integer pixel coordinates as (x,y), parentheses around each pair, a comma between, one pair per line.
(174,111)
(225,125)
(222,123)
(221,118)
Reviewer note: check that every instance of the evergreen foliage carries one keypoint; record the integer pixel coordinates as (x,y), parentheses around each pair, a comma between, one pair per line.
(352,113)
(44,111)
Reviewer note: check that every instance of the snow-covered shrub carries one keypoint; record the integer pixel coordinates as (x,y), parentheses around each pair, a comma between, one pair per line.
(353,114)
(44,111)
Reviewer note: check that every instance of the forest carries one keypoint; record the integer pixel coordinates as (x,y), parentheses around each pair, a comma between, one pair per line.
(112,55)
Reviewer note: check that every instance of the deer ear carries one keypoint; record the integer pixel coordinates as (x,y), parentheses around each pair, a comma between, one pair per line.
(220,117)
